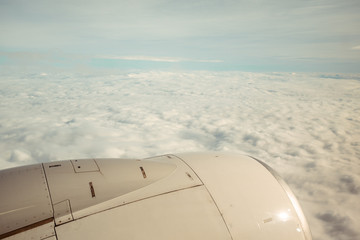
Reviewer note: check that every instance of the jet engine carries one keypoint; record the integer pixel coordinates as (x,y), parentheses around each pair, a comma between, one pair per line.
(182,196)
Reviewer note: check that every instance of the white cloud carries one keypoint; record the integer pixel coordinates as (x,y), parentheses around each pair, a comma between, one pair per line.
(356,47)
(306,126)
(146,58)
(158,59)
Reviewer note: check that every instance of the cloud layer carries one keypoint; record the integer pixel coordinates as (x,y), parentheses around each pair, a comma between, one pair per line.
(306,126)
(158,59)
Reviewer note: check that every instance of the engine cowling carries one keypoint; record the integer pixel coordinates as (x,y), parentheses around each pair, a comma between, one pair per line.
(192,195)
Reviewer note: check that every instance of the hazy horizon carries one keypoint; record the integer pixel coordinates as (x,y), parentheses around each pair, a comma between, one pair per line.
(290,36)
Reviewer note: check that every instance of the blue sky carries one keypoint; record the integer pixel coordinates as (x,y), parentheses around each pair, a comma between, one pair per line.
(310,36)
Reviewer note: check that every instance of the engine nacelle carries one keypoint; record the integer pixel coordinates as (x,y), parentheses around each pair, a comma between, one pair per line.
(182,196)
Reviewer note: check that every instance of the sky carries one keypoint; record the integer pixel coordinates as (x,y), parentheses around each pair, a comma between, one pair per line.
(261,36)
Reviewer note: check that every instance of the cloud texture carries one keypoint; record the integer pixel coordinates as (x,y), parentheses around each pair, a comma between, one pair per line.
(306,126)
(157,59)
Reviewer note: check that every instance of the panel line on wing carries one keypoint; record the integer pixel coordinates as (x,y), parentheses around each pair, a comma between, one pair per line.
(26,228)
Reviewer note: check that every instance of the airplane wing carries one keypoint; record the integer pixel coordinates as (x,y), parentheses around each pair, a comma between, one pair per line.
(182,196)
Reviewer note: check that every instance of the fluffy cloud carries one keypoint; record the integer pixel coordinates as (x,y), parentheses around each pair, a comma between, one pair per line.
(306,126)
(158,59)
